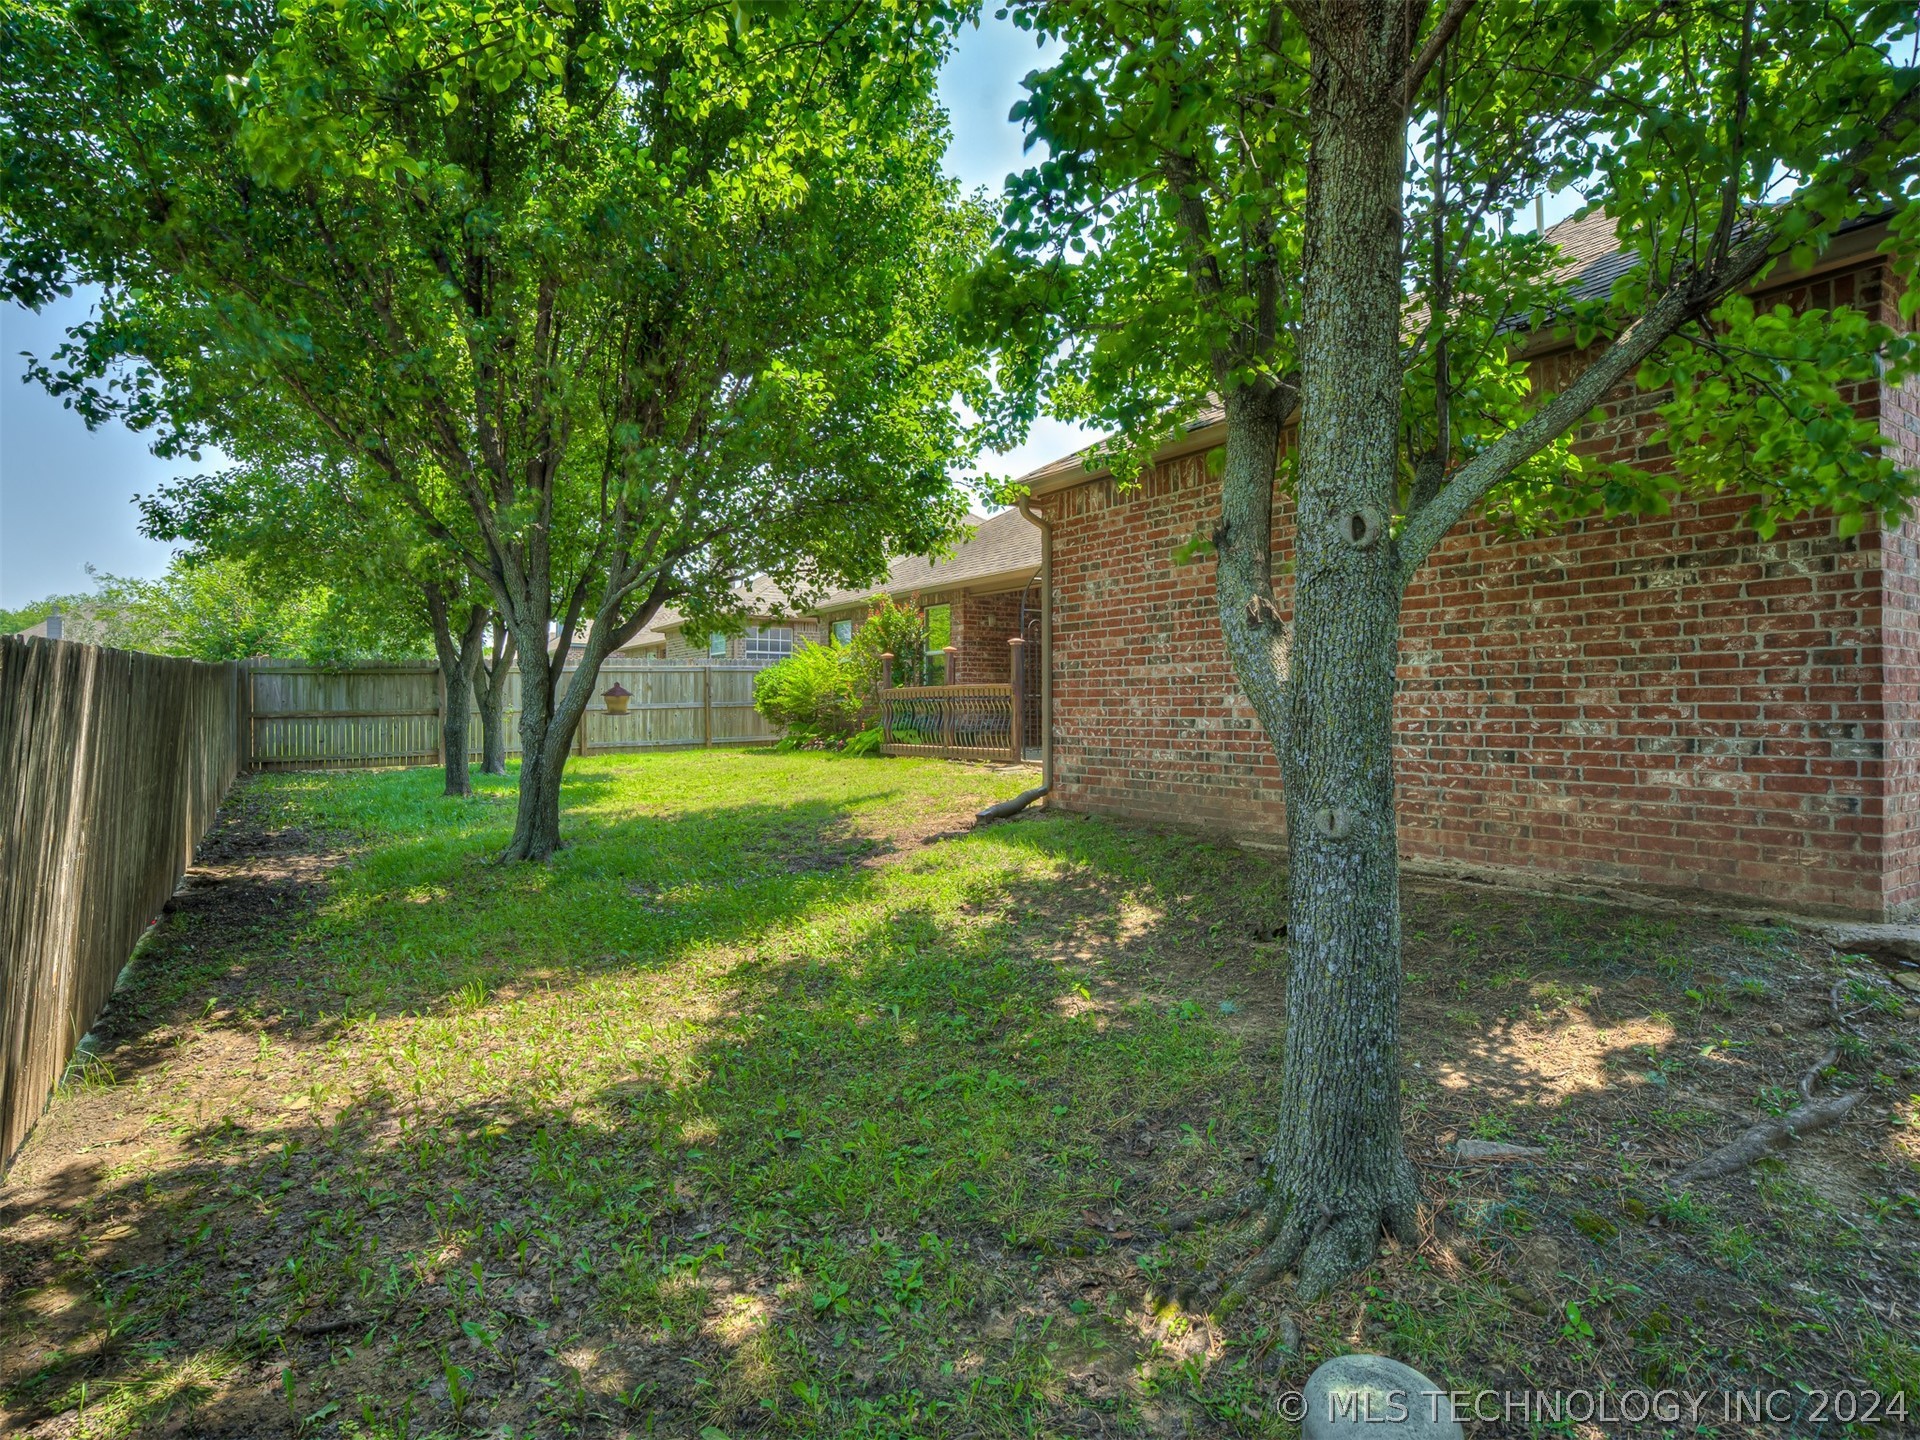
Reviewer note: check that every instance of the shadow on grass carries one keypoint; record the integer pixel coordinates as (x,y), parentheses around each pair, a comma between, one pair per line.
(734,1117)
(793,1167)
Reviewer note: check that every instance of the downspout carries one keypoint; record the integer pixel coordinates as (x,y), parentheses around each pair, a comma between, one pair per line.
(1026,797)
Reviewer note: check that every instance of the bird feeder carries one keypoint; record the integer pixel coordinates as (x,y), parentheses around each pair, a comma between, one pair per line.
(616,695)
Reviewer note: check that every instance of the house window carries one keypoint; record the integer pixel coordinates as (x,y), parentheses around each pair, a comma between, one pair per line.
(843,632)
(768,643)
(939,636)
(717,646)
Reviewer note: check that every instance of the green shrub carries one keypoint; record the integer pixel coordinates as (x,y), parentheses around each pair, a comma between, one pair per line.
(897,629)
(819,692)
(816,692)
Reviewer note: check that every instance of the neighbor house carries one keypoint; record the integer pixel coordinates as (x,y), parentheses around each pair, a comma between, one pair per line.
(1671,702)
(984,594)
(769,633)
(978,598)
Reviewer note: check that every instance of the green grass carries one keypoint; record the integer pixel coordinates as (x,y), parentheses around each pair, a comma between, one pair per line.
(785,1102)
(741,1076)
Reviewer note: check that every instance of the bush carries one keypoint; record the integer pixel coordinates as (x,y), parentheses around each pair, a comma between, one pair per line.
(867,742)
(819,692)
(816,692)
(897,629)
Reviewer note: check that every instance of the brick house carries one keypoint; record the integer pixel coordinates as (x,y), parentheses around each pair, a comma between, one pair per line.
(770,633)
(979,597)
(1668,703)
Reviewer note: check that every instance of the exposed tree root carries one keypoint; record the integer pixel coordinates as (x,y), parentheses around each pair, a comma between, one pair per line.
(1243,1201)
(1804,1119)
(1319,1245)
(1758,1141)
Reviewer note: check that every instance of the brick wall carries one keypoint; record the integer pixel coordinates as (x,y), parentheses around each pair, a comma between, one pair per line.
(1666,702)
(982,626)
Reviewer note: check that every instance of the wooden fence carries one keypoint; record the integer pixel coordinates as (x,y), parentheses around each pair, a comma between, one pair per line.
(307,718)
(112,765)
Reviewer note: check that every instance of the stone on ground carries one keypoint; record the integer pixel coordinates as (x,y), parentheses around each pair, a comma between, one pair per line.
(1369,1395)
(1495,1150)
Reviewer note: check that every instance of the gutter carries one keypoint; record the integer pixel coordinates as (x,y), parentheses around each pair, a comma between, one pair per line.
(1026,797)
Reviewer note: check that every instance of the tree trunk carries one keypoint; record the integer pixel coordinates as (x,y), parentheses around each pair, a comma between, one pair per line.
(536,826)
(1339,1166)
(550,713)
(490,692)
(493,729)
(549,717)
(453,730)
(1337,1174)
(459,660)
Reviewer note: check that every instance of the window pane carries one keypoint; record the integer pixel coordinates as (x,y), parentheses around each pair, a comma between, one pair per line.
(843,632)
(717,646)
(939,627)
(768,643)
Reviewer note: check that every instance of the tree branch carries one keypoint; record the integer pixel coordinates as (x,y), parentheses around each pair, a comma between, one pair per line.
(1436,46)
(1466,486)
(1682,303)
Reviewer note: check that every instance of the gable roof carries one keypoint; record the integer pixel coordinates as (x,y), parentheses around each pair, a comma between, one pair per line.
(1000,547)
(760,599)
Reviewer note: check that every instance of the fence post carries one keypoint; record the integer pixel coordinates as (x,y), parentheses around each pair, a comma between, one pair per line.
(886,708)
(1017,708)
(952,655)
(706,707)
(439,716)
(243,711)
(947,708)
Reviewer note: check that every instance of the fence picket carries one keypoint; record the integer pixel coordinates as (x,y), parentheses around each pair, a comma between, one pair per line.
(112,765)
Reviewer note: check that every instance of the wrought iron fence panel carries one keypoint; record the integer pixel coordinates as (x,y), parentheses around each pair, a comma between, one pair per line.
(957,722)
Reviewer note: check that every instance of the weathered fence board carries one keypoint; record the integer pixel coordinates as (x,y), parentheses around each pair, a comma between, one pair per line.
(307,718)
(112,765)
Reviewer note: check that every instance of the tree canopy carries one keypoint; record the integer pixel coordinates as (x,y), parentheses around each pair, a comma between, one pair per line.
(1154,259)
(617,304)
(223,608)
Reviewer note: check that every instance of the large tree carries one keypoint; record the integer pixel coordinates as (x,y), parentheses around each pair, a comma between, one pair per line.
(653,290)
(1300,209)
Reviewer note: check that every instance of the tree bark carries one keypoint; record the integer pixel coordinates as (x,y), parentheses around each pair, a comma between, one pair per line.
(536,826)
(1337,1174)
(1338,1164)
(550,714)
(490,693)
(459,661)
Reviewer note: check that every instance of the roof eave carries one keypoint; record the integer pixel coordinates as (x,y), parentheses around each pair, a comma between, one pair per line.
(1072,471)
(1854,243)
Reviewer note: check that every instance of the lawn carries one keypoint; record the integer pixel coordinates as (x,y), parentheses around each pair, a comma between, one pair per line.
(785,1101)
